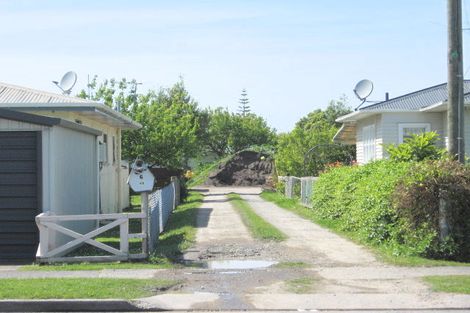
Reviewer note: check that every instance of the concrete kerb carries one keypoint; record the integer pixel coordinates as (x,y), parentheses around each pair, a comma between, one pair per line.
(66,305)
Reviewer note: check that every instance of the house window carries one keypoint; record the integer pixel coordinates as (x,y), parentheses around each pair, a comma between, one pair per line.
(104,149)
(406,130)
(368,139)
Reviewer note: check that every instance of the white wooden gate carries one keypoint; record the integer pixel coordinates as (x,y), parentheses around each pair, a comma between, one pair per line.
(48,223)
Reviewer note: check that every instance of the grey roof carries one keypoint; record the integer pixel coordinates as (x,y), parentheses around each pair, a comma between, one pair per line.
(17,94)
(417,100)
(26,99)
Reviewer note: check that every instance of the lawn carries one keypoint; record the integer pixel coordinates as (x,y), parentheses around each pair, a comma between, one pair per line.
(179,234)
(453,284)
(258,227)
(81,288)
(180,231)
(384,253)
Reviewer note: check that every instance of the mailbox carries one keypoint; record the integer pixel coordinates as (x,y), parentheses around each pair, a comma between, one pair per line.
(140,178)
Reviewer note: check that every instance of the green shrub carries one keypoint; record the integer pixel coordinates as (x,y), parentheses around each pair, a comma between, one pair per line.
(359,198)
(417,199)
(396,204)
(418,147)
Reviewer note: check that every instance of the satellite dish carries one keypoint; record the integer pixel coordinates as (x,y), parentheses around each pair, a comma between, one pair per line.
(363,89)
(67,82)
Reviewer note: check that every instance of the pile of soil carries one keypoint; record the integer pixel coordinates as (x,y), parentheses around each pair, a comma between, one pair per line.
(246,168)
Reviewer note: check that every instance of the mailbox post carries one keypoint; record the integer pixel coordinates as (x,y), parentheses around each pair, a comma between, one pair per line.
(141,180)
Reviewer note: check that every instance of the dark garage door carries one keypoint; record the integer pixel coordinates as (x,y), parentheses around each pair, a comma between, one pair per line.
(19,195)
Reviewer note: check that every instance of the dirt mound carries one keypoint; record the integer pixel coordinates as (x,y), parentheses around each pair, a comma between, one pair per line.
(246,168)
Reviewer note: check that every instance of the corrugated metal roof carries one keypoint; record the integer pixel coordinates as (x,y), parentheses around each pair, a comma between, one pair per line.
(27,99)
(417,100)
(17,94)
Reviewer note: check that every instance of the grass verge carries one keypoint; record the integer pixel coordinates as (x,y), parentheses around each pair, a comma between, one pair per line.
(292,265)
(453,284)
(180,233)
(300,285)
(81,288)
(259,228)
(384,253)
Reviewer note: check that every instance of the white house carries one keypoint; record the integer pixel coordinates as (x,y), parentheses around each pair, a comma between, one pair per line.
(113,190)
(389,122)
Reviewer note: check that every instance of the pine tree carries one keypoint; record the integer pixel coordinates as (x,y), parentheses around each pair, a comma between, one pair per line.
(244,108)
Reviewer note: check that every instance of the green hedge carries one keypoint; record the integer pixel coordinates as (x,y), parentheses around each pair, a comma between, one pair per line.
(381,203)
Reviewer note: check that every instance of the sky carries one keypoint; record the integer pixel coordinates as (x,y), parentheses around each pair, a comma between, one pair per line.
(291,56)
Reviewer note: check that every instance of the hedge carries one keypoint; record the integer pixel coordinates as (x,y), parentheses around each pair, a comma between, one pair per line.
(396,204)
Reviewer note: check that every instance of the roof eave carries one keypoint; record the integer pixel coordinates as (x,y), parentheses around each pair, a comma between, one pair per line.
(123,121)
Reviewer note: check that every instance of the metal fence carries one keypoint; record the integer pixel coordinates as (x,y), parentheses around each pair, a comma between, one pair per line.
(299,187)
(161,203)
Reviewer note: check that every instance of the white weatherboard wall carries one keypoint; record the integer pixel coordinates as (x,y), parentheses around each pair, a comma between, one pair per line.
(73,177)
(374,120)
(387,129)
(112,185)
(391,121)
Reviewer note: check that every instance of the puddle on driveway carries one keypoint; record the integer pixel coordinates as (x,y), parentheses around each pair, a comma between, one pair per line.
(239,264)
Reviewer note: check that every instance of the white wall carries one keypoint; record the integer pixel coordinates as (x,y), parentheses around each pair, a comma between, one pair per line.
(391,121)
(73,177)
(374,120)
(110,174)
(387,129)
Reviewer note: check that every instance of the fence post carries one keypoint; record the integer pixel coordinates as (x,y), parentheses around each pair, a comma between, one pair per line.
(443,209)
(288,187)
(124,236)
(144,198)
(176,188)
(43,247)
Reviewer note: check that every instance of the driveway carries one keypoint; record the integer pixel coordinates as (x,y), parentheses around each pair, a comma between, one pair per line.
(341,274)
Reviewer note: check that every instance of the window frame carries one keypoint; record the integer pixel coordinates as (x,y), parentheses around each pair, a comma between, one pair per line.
(402,126)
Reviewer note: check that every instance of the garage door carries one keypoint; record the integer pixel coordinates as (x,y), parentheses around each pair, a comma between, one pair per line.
(19,195)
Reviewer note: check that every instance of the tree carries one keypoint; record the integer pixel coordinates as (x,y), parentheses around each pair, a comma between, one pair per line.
(309,146)
(244,108)
(227,132)
(170,120)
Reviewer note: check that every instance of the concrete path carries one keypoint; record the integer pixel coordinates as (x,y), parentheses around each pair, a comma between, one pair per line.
(218,221)
(303,234)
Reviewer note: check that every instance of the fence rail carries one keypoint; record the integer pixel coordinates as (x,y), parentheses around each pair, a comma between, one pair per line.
(156,208)
(48,224)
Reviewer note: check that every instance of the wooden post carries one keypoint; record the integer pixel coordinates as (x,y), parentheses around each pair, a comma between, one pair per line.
(144,198)
(124,236)
(455,113)
(43,247)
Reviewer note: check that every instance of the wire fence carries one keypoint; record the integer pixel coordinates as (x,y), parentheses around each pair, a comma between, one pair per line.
(161,203)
